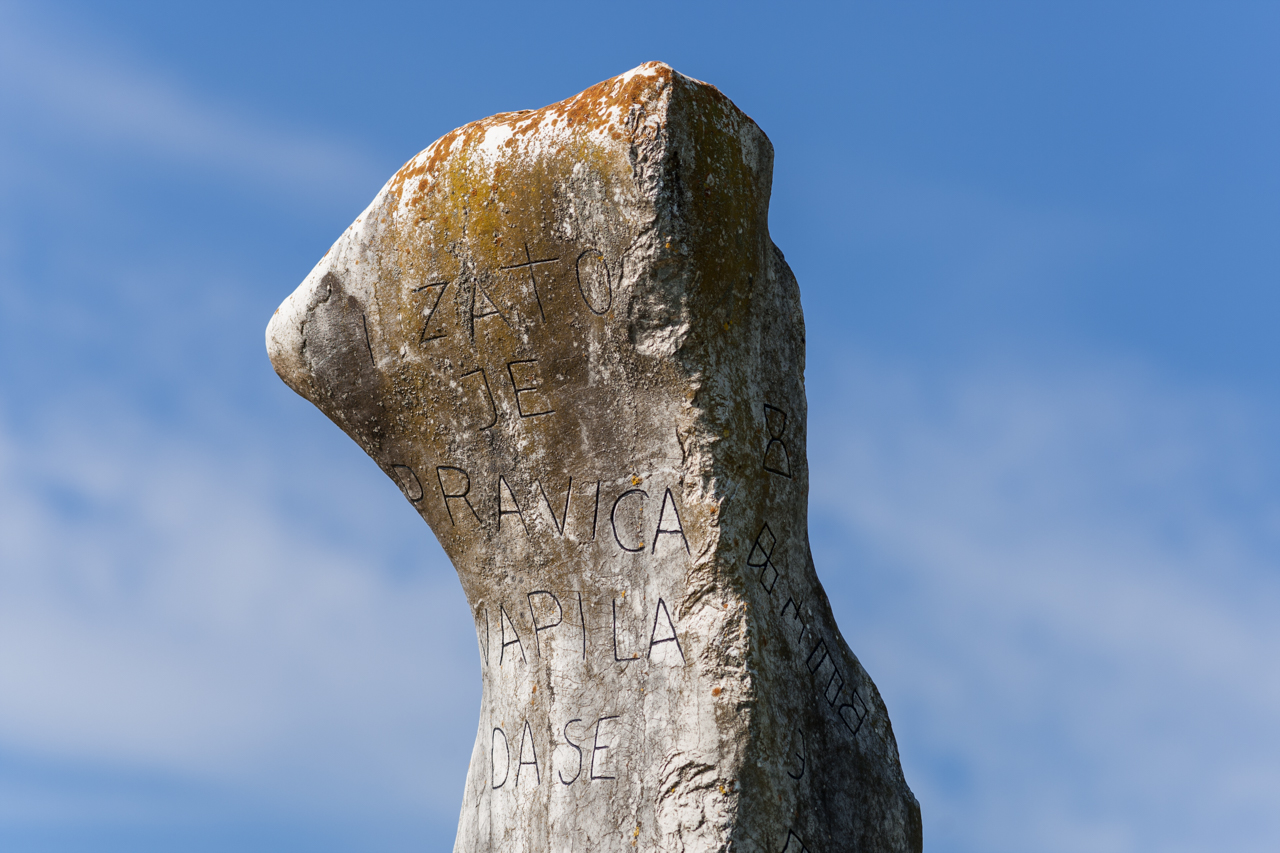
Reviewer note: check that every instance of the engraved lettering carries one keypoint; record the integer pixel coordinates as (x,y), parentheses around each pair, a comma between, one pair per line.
(534,617)
(654,639)
(582,614)
(578,747)
(493,761)
(595,516)
(503,622)
(483,306)
(507,504)
(487,394)
(408,482)
(433,298)
(593,272)
(458,488)
(529,264)
(668,500)
(564,514)
(526,736)
(827,693)
(613,518)
(531,401)
(615,637)
(364,324)
(596,746)
(795,616)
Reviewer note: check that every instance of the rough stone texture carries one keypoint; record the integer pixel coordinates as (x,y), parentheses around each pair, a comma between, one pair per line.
(567,337)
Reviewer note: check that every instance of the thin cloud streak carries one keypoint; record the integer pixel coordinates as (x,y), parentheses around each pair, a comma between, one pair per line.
(1050,576)
(83,90)
(160,615)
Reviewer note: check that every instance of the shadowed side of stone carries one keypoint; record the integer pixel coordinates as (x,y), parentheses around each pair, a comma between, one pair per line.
(567,337)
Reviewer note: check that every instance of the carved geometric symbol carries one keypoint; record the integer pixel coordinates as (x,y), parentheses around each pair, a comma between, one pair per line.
(776,458)
(859,710)
(794,844)
(800,754)
(761,557)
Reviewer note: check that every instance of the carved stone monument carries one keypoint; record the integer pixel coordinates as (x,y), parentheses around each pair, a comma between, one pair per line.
(566,335)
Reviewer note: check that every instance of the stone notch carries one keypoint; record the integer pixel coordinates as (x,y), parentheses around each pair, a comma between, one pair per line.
(567,337)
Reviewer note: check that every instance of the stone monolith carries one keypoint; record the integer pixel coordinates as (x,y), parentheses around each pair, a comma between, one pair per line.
(566,335)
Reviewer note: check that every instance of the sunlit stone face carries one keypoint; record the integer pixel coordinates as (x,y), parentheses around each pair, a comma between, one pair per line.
(567,337)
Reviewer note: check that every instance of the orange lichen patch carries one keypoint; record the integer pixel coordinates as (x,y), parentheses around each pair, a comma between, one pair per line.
(603,107)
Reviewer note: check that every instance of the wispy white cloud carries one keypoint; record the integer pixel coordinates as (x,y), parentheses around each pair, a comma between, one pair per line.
(1065,583)
(176,612)
(89,92)
(160,613)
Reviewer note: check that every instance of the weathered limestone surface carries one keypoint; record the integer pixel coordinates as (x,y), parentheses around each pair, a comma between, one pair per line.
(567,337)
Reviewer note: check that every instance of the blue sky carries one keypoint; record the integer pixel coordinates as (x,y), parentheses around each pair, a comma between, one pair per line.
(1039,252)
